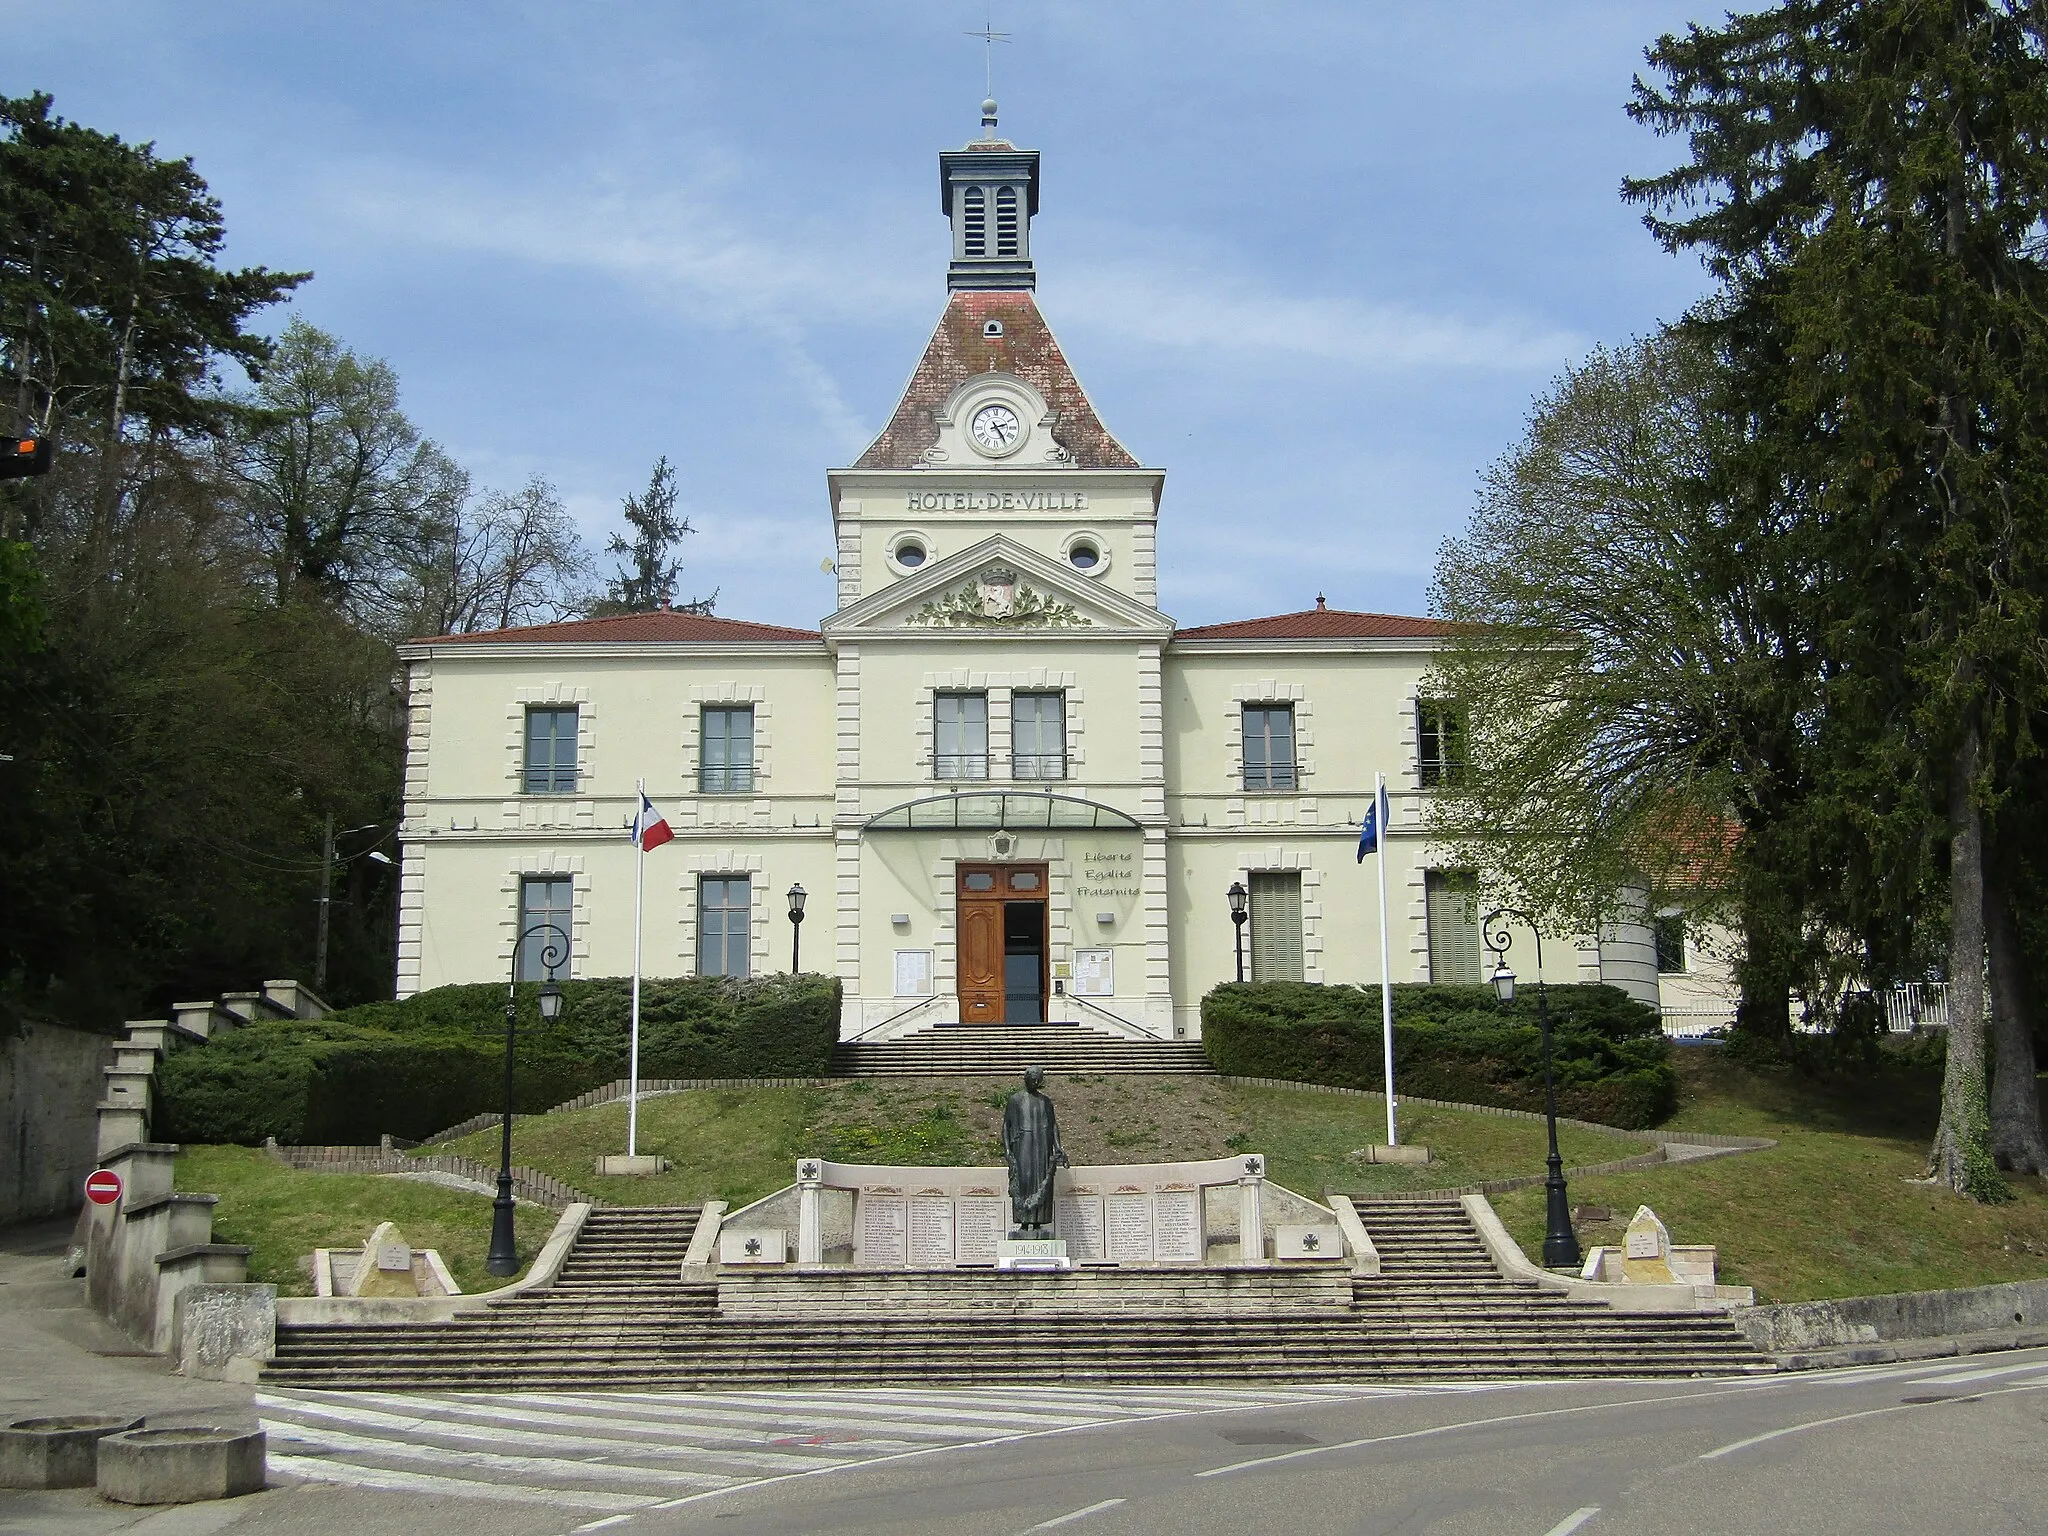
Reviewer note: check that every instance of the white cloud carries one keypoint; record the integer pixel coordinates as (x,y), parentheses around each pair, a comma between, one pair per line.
(1222,311)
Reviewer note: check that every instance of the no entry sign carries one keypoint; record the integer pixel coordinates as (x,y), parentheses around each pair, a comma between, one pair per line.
(103,1187)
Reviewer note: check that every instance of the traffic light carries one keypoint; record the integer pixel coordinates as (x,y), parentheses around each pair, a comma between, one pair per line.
(21,457)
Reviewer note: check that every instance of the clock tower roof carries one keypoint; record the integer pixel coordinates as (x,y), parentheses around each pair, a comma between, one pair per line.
(993,331)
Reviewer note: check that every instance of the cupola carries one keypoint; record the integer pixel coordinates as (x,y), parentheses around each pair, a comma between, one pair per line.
(990,192)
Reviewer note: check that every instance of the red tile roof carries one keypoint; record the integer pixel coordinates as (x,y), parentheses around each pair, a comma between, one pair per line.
(633,629)
(1321,624)
(958,350)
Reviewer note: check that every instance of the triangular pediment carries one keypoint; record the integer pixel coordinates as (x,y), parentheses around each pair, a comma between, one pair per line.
(997,587)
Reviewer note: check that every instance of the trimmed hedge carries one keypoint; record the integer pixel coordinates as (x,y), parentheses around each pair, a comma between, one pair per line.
(411,1069)
(1612,1061)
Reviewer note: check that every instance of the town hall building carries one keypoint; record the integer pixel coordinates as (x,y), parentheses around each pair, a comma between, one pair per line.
(1009,787)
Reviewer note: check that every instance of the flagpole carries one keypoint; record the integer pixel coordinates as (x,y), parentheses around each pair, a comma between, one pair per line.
(1380,808)
(633,1051)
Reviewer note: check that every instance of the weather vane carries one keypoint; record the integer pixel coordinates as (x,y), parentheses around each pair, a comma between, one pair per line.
(990,37)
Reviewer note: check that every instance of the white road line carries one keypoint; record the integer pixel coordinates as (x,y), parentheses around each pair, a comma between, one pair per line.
(734,1421)
(1079,1514)
(315,1469)
(598,1525)
(534,1439)
(662,1429)
(294,1435)
(1444,1429)
(1792,1429)
(1950,1377)
(975,1411)
(1573,1521)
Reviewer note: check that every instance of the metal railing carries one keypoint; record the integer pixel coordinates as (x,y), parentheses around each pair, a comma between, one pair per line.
(1915,1005)
(960,765)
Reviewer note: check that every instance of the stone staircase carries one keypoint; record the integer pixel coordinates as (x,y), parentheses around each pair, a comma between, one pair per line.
(1440,1308)
(620,1318)
(1005,1050)
(155,1242)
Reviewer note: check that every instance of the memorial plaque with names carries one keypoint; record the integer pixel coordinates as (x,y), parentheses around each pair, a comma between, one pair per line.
(931,1232)
(1177,1226)
(1128,1227)
(881,1231)
(977,1228)
(1079,1214)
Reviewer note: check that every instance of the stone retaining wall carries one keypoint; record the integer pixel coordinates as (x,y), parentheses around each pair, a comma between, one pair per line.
(1809,1325)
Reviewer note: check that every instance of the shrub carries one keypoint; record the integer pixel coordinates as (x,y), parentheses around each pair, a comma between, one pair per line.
(413,1068)
(1612,1062)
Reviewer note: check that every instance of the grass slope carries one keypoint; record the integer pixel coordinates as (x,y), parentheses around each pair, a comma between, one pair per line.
(740,1144)
(1833,1209)
(284,1214)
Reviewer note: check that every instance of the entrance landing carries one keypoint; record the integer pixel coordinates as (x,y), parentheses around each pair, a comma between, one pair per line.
(1005,1050)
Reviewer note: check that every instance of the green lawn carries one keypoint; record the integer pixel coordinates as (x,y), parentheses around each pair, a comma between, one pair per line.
(740,1144)
(1833,1209)
(284,1214)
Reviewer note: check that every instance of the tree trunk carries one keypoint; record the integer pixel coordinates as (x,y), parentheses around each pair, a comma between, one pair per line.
(2016,1141)
(1962,1144)
(1766,971)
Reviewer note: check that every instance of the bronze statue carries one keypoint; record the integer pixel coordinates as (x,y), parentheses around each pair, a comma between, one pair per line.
(1031,1147)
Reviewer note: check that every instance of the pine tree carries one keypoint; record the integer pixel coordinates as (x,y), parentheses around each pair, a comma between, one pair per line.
(647,580)
(1868,180)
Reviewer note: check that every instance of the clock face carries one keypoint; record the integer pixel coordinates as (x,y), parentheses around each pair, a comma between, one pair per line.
(995,427)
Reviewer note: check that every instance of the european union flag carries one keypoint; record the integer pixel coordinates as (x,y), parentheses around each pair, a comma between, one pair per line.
(1376,816)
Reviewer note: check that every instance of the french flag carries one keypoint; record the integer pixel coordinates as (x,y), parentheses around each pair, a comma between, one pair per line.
(650,827)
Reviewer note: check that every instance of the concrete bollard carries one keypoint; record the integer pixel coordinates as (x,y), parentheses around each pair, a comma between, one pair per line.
(181,1466)
(56,1452)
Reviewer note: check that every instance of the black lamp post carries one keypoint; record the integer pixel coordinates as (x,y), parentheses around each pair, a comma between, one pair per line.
(1239,903)
(796,926)
(504,1255)
(1560,1242)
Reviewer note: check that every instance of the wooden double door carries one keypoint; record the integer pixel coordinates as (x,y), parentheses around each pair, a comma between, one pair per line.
(1001,932)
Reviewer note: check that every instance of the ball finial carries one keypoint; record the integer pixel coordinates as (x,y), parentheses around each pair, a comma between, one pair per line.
(988,113)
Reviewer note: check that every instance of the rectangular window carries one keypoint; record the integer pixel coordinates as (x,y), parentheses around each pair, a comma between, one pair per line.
(725,924)
(546,916)
(1440,742)
(1670,934)
(960,726)
(1269,746)
(725,758)
(1276,925)
(551,751)
(1453,913)
(1038,736)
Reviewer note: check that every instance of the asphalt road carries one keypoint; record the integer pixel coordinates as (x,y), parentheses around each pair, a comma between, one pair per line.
(1955,1447)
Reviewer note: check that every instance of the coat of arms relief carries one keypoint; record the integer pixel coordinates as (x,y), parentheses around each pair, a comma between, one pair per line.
(996,598)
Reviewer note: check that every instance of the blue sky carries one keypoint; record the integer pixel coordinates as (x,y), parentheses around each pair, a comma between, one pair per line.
(1314,259)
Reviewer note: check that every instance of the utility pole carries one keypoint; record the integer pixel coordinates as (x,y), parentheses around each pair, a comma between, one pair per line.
(326,903)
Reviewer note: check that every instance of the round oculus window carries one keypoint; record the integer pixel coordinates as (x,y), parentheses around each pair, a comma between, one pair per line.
(1084,556)
(910,554)
(995,427)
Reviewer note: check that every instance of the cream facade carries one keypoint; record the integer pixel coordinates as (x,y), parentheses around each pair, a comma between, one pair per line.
(1009,786)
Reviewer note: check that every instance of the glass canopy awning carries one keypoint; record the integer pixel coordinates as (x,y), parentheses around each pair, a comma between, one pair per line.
(1010,811)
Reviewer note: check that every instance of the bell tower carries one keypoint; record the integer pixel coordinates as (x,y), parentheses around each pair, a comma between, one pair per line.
(990,192)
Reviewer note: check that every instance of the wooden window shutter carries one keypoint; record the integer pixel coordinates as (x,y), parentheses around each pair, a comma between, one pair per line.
(1453,926)
(1276,926)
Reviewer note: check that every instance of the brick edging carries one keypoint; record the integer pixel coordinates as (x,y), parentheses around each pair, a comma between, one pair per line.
(616,1089)
(530,1184)
(1641,1160)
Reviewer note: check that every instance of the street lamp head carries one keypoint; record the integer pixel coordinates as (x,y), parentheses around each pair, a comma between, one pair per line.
(550,1001)
(1239,896)
(1504,982)
(376,857)
(797,896)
